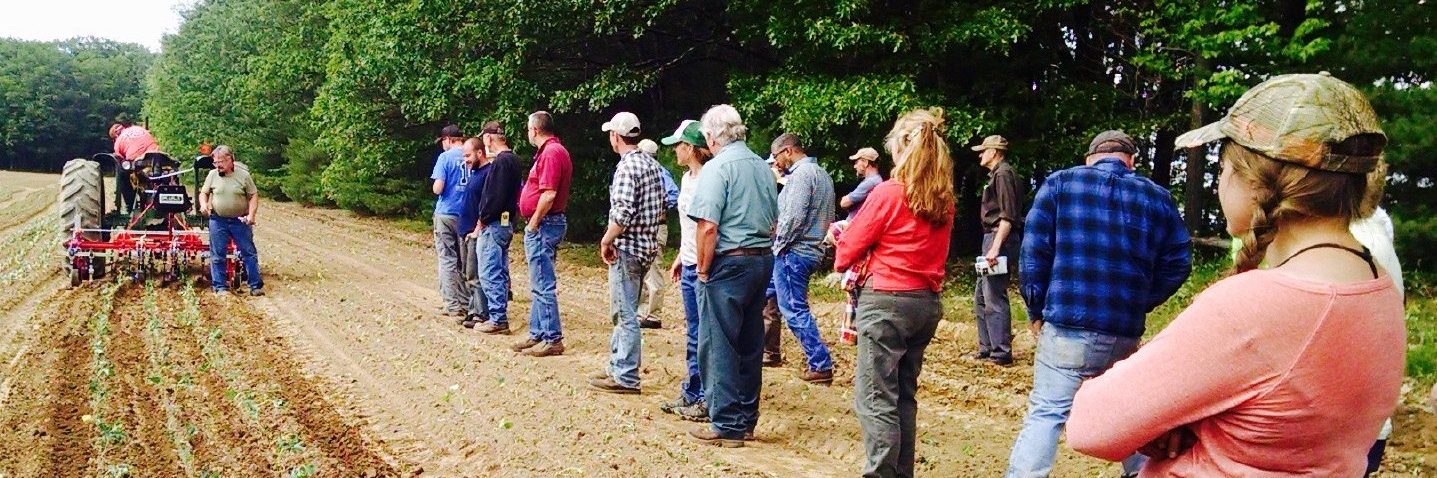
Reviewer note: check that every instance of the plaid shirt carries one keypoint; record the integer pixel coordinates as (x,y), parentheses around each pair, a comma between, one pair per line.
(1102,248)
(805,209)
(636,202)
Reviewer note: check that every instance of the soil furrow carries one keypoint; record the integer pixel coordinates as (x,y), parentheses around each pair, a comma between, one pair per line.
(135,402)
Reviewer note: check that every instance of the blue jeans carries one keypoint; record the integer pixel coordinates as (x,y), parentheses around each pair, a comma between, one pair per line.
(1065,358)
(222,231)
(541,249)
(790,279)
(626,343)
(693,385)
(731,340)
(493,253)
(478,304)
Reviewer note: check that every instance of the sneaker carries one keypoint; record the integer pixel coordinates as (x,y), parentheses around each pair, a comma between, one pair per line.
(607,384)
(545,349)
(650,323)
(694,412)
(812,376)
(493,328)
(707,436)
(222,292)
(1000,361)
(256,292)
(672,406)
(771,361)
(525,345)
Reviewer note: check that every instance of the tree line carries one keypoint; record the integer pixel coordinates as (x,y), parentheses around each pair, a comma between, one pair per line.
(337,102)
(57,99)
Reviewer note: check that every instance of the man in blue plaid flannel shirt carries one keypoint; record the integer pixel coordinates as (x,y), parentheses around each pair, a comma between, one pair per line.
(630,245)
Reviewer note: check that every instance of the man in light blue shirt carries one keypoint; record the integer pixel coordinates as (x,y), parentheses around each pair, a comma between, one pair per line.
(805,209)
(451,178)
(865,163)
(735,205)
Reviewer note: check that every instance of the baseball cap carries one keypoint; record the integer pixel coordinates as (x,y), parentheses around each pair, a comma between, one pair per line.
(624,123)
(1112,141)
(1297,119)
(865,153)
(451,131)
(993,142)
(688,132)
(493,127)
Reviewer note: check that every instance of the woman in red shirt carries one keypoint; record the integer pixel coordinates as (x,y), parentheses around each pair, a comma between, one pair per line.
(898,244)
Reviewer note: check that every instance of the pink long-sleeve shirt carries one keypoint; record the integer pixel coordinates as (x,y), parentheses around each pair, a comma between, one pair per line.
(1276,375)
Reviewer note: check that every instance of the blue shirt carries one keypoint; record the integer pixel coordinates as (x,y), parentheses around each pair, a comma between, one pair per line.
(736,191)
(860,193)
(450,168)
(805,209)
(1102,248)
(671,190)
(473,192)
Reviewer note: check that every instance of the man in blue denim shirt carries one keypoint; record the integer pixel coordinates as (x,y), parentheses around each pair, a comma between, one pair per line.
(1102,248)
(805,209)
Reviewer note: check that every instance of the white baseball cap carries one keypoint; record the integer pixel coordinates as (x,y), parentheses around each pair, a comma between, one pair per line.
(624,123)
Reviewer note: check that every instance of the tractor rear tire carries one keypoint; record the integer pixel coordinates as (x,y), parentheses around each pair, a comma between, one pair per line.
(80,197)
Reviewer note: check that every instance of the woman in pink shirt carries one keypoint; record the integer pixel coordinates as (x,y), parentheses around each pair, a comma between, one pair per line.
(1285,371)
(897,243)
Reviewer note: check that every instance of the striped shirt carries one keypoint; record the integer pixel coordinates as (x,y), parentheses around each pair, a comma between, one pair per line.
(636,202)
(805,209)
(1102,248)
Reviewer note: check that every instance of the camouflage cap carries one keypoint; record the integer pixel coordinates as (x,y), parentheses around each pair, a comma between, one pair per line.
(1297,119)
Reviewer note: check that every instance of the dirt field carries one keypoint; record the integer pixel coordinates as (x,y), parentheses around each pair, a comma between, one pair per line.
(343,370)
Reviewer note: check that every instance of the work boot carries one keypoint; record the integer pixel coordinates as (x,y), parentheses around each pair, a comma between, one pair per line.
(772,360)
(545,349)
(1000,361)
(599,375)
(469,321)
(978,356)
(650,323)
(708,436)
(525,345)
(493,328)
(607,384)
(812,376)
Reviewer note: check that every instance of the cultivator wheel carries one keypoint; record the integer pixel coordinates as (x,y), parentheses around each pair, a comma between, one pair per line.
(81,208)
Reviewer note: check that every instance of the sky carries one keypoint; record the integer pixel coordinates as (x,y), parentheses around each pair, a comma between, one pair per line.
(132,21)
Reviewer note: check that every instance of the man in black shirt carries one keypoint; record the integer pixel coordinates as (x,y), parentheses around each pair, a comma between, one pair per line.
(498,207)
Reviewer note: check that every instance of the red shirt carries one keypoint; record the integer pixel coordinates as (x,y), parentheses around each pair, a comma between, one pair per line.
(132,143)
(552,171)
(902,251)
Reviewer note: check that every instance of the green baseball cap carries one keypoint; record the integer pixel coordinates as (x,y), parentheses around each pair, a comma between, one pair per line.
(1297,119)
(687,132)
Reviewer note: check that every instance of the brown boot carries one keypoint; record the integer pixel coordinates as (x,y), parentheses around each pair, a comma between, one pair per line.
(708,436)
(525,345)
(607,384)
(599,375)
(822,378)
(545,349)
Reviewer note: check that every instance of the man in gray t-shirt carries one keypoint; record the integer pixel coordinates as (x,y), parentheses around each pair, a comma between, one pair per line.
(230,199)
(865,163)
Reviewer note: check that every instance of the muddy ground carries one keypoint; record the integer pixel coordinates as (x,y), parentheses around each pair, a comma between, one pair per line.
(344,370)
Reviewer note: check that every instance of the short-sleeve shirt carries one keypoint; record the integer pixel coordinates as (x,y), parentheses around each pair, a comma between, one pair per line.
(450,168)
(473,193)
(230,193)
(736,191)
(1003,199)
(133,142)
(552,171)
(860,193)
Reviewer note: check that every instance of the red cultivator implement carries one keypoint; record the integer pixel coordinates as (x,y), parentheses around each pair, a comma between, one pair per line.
(163,236)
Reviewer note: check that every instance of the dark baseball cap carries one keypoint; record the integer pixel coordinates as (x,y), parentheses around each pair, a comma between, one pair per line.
(451,131)
(1112,141)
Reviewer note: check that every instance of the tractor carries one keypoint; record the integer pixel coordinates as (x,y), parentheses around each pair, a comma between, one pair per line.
(164,236)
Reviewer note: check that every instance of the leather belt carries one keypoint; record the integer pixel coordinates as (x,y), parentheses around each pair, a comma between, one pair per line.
(747,251)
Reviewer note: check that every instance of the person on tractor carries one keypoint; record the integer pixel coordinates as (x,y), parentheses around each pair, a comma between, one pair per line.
(231,200)
(131,143)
